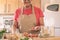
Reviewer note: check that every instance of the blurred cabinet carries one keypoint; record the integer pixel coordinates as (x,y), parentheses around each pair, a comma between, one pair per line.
(10,6)
(2,6)
(37,3)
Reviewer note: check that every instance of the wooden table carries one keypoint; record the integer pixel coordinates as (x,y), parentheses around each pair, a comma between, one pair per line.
(48,38)
(38,38)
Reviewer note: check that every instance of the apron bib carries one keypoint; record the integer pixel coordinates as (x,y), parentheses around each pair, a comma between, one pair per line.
(26,22)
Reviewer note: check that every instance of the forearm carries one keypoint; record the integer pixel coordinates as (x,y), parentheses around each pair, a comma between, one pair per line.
(15,25)
(42,24)
(41,21)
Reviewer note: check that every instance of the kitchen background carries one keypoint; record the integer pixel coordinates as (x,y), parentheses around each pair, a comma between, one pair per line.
(51,17)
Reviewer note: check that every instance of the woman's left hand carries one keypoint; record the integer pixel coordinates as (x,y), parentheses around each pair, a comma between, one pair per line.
(36,28)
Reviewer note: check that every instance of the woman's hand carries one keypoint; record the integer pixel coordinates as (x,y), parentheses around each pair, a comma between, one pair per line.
(36,28)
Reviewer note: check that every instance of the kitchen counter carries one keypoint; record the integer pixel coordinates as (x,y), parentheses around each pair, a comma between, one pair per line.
(48,38)
(34,38)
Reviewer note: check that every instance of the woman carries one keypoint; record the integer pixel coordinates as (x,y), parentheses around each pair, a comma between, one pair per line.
(28,19)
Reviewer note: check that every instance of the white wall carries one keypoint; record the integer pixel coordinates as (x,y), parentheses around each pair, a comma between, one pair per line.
(3,18)
(54,1)
(44,2)
(1,22)
(52,19)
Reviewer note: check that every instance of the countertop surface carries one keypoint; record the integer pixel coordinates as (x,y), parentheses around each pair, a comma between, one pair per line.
(18,36)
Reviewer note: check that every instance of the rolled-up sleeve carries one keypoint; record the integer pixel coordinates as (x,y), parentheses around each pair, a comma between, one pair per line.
(16,15)
(41,13)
